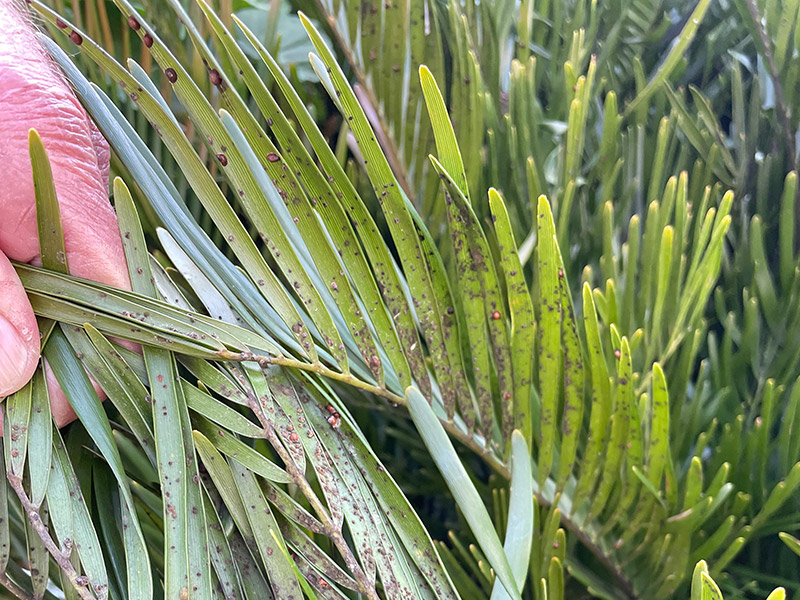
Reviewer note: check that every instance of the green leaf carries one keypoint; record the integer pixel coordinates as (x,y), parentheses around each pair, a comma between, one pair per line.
(40,438)
(791,542)
(52,252)
(220,553)
(601,401)
(432,318)
(662,289)
(700,569)
(307,589)
(550,343)
(628,309)
(706,114)
(520,528)
(215,379)
(673,57)
(253,583)
(480,298)
(219,413)
(786,229)
(262,521)
(709,589)
(650,246)
(658,453)
(375,248)
(106,498)
(83,399)
(762,278)
(555,579)
(523,325)
(574,381)
(224,482)
(195,171)
(617,441)
(15,429)
(70,516)
(460,485)
(782,491)
(226,443)
(185,540)
(119,382)
(444,135)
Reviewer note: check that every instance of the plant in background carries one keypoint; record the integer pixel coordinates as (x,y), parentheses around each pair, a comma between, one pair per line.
(541,234)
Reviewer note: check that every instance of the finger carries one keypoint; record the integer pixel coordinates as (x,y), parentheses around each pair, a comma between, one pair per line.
(19,334)
(33,95)
(59,405)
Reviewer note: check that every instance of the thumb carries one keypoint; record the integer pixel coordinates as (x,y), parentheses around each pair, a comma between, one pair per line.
(34,95)
(19,334)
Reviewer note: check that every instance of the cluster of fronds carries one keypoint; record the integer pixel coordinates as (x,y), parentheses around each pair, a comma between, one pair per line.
(558,235)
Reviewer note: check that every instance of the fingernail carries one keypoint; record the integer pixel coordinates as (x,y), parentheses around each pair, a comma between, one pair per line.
(13,356)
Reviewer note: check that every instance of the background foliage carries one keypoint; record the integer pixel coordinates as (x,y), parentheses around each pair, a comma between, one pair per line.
(519,323)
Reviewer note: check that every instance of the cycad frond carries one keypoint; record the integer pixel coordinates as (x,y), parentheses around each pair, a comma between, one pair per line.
(233,465)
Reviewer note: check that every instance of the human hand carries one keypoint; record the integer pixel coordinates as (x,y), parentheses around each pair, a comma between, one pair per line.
(34,95)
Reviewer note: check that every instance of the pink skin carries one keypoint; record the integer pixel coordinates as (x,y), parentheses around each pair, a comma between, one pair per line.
(34,95)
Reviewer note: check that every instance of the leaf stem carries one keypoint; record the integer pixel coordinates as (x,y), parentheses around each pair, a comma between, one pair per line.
(458,433)
(329,528)
(299,479)
(79,582)
(450,426)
